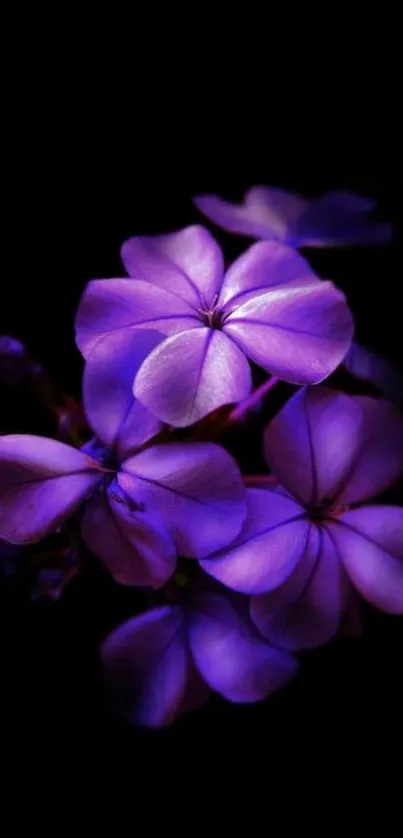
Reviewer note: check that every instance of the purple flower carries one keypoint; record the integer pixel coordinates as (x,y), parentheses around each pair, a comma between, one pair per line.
(382,374)
(269,306)
(337,219)
(141,508)
(305,539)
(167,660)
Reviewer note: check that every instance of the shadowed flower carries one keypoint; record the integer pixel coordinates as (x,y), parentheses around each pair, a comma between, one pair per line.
(305,539)
(141,508)
(380,373)
(268,306)
(15,364)
(337,219)
(167,660)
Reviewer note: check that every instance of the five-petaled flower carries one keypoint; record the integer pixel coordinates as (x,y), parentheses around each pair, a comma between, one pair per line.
(305,539)
(167,660)
(269,306)
(337,219)
(142,509)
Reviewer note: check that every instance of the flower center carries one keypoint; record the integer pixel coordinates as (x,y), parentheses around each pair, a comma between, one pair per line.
(325,509)
(321,510)
(106,456)
(213,318)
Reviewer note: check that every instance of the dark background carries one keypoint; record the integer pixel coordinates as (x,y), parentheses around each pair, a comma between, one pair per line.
(66,218)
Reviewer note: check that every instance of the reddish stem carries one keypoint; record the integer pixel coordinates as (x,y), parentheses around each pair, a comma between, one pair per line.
(254,398)
(259,479)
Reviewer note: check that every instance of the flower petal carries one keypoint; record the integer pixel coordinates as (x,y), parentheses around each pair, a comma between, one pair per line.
(370,542)
(133,545)
(339,219)
(188,263)
(309,608)
(146,665)
(299,333)
(230,655)
(264,265)
(271,542)
(195,487)
(109,305)
(265,213)
(310,444)
(42,482)
(116,417)
(191,374)
(378,458)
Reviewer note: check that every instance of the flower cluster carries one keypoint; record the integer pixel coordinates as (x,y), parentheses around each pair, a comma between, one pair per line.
(269,566)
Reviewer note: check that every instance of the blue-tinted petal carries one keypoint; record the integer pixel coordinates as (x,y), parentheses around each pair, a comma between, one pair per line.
(370,543)
(271,543)
(117,418)
(146,664)
(188,263)
(231,656)
(309,608)
(195,487)
(191,374)
(42,482)
(111,305)
(132,543)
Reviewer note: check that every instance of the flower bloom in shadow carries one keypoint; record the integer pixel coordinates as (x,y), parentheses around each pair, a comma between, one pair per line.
(167,660)
(15,364)
(141,509)
(316,533)
(337,219)
(368,366)
(269,307)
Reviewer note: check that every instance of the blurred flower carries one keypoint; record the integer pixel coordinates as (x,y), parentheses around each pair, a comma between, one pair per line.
(141,508)
(167,660)
(268,306)
(382,374)
(305,539)
(10,555)
(15,363)
(60,568)
(337,219)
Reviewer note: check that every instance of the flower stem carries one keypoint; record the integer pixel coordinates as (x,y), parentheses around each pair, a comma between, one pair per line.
(259,479)
(254,398)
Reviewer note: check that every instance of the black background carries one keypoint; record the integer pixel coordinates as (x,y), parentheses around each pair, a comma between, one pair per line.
(66,218)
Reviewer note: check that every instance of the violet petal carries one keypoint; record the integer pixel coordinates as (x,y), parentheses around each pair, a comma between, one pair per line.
(191,374)
(188,263)
(378,458)
(370,542)
(116,417)
(110,305)
(264,265)
(42,482)
(300,334)
(310,444)
(196,488)
(271,542)
(146,665)
(309,608)
(265,213)
(134,545)
(230,655)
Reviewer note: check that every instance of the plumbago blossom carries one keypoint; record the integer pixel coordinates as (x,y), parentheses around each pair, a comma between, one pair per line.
(141,509)
(276,569)
(316,533)
(269,307)
(167,660)
(337,219)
